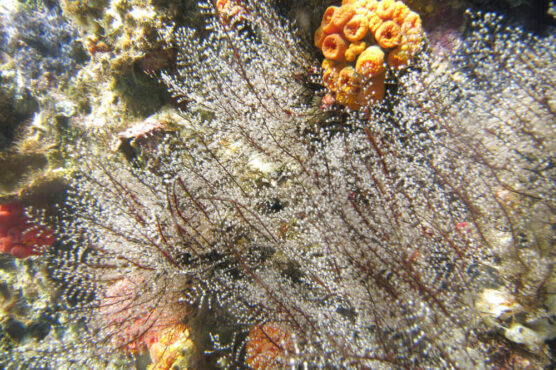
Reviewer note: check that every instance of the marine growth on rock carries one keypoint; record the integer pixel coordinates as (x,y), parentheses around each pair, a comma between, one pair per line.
(242,226)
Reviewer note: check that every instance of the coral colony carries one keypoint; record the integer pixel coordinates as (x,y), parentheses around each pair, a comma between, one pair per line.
(357,34)
(408,224)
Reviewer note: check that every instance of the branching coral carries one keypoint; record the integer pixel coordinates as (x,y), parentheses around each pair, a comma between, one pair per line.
(350,33)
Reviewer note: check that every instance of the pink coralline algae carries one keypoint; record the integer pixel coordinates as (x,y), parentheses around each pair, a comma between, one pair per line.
(131,323)
(18,237)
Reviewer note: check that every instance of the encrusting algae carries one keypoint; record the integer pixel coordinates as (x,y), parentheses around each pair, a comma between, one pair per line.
(373,35)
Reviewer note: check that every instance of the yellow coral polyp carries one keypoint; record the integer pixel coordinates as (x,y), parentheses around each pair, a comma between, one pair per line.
(330,79)
(364,12)
(354,50)
(349,100)
(371,62)
(370,5)
(331,74)
(411,21)
(386,9)
(347,79)
(319,37)
(227,8)
(342,16)
(361,40)
(356,28)
(398,58)
(400,13)
(327,63)
(327,25)
(374,22)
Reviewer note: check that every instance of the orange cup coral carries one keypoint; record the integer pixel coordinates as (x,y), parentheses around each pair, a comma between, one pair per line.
(386,9)
(354,49)
(228,9)
(388,35)
(334,47)
(342,16)
(327,25)
(371,62)
(331,74)
(356,28)
(369,37)
(319,37)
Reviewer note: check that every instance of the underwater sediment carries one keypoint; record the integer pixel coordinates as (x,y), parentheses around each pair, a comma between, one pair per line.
(371,187)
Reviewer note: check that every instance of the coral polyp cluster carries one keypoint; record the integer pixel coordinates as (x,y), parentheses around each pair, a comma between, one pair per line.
(17,236)
(359,41)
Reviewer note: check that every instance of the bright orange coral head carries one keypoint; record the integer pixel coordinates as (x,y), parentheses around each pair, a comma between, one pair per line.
(370,37)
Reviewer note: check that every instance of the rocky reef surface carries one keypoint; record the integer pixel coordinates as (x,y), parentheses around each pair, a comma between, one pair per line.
(168,170)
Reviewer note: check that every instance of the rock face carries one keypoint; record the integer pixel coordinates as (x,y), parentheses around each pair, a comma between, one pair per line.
(204,195)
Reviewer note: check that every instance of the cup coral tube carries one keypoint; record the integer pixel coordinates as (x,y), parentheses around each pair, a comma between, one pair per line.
(356,28)
(388,35)
(371,62)
(334,47)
